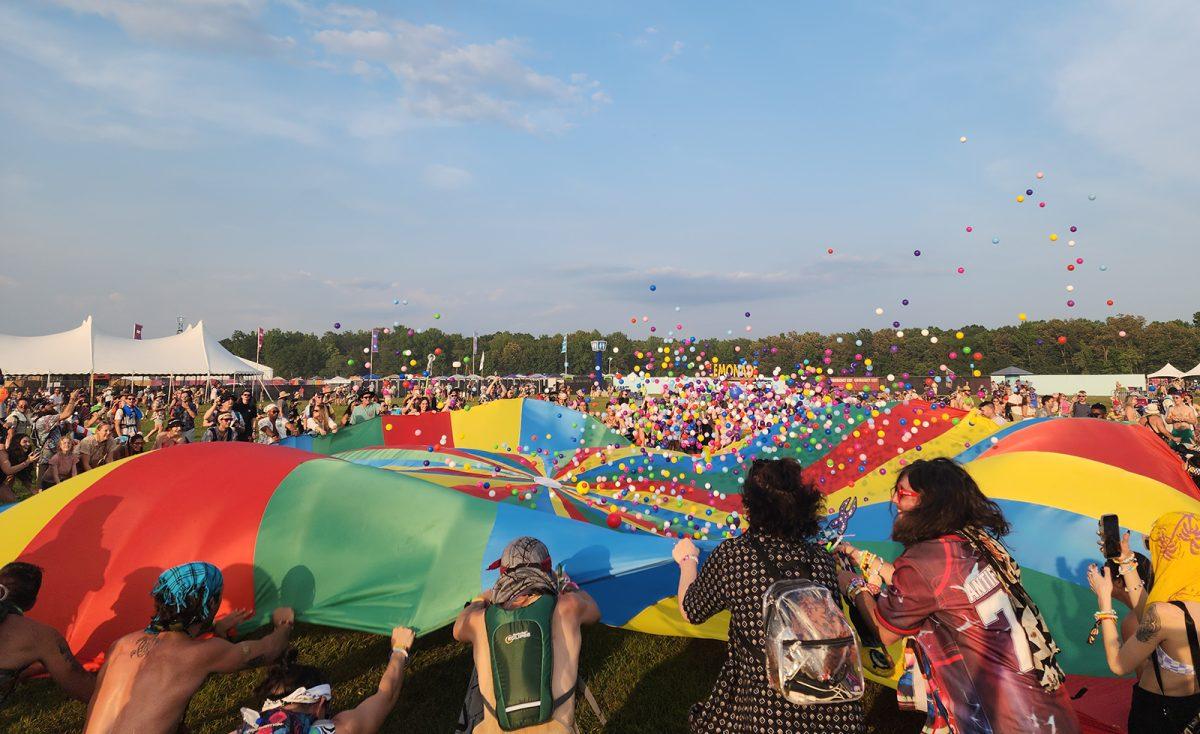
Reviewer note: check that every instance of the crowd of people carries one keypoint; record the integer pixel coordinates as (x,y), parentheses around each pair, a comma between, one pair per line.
(52,435)
(979,655)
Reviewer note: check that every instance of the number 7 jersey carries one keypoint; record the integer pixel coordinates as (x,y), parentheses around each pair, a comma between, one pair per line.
(974,659)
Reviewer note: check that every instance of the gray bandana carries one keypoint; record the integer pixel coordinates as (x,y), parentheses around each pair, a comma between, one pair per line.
(525,569)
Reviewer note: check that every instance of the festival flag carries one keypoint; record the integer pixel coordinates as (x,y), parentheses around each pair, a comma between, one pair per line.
(564,347)
(137,331)
(374,340)
(260,338)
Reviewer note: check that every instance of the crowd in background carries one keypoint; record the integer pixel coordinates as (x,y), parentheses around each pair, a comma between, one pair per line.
(53,434)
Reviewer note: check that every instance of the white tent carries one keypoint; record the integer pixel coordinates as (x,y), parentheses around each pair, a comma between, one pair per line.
(267,372)
(337,381)
(84,351)
(1193,372)
(1168,370)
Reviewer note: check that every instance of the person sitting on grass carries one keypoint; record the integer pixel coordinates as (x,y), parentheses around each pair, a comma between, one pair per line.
(149,677)
(527,597)
(298,698)
(28,647)
(63,464)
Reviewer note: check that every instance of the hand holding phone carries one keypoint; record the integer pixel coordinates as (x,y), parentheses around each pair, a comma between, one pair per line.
(1110,536)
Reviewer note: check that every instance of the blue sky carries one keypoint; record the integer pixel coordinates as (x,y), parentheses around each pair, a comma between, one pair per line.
(535,166)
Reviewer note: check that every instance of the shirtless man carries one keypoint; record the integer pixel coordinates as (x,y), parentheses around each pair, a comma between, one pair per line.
(526,575)
(1182,419)
(28,647)
(149,677)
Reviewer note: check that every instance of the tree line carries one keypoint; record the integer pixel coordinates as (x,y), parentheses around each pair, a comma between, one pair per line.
(1057,346)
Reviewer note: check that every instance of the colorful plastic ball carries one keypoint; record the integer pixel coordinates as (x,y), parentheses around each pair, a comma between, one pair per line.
(1054,238)
(350,362)
(437,315)
(1091,197)
(1029,192)
(1022,316)
(1109,302)
(337,325)
(904,302)
(970,229)
(1041,205)
(995,240)
(1020,198)
(653,288)
(1070,289)
(895,325)
(1070,304)
(829,251)
(1071,266)
(1121,333)
(963,139)
(1079,261)
(958,335)
(961,271)
(1103,268)
(916,253)
(879,312)
(613,521)
(404,302)
(1039,174)
(1074,228)
(395,301)
(1062,340)
(747,315)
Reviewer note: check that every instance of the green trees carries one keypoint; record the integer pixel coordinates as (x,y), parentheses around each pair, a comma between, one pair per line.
(1091,347)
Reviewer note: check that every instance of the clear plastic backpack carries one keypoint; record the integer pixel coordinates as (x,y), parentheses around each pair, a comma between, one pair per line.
(811,648)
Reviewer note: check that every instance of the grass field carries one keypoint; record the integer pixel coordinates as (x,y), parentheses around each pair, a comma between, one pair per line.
(644,684)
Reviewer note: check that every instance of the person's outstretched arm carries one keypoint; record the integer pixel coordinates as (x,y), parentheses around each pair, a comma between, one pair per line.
(227,657)
(60,663)
(368,716)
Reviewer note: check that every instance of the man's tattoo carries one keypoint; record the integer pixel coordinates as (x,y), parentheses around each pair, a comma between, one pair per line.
(65,651)
(1149,627)
(144,646)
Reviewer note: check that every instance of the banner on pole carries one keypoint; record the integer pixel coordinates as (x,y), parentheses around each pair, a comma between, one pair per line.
(137,331)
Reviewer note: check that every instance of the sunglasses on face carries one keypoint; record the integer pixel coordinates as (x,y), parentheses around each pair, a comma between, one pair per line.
(898,493)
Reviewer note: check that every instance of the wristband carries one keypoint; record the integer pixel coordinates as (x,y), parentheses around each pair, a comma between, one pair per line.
(401,650)
(855,586)
(690,557)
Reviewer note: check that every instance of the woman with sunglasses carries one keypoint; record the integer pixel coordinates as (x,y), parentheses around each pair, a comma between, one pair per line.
(980,657)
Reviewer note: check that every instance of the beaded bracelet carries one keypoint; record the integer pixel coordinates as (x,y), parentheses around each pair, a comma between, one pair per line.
(1100,617)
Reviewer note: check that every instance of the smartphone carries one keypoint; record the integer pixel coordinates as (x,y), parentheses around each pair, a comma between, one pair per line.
(1110,536)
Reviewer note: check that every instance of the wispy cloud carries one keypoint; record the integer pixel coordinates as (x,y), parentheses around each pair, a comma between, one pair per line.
(673,52)
(710,286)
(447,178)
(1130,84)
(217,24)
(177,77)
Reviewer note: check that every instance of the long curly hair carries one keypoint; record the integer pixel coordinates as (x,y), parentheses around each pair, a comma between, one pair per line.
(950,501)
(779,501)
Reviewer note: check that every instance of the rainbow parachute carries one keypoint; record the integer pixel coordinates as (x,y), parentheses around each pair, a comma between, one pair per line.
(395,521)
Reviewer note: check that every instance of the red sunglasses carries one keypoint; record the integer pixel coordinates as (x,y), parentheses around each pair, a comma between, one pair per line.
(899,493)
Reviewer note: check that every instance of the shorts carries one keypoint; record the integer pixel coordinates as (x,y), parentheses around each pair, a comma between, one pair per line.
(1185,435)
(1154,713)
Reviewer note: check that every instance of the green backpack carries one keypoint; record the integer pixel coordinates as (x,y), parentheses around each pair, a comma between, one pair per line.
(522,652)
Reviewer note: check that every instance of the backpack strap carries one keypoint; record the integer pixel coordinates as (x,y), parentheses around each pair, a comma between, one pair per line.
(1193,643)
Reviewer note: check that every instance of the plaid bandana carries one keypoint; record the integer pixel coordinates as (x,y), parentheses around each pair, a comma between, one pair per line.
(192,591)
